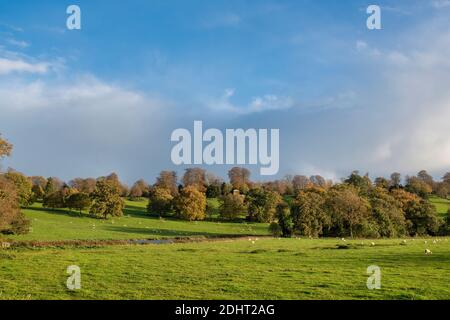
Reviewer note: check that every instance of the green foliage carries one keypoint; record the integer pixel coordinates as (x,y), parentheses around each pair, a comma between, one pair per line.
(284,217)
(349,211)
(387,214)
(309,213)
(160,201)
(232,207)
(106,200)
(262,204)
(55,200)
(190,204)
(79,201)
(418,187)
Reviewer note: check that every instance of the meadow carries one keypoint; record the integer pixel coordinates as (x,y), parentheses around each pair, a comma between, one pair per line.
(251,267)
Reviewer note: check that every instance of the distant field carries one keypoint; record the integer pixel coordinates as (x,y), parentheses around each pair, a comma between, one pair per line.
(135,224)
(442,205)
(235,269)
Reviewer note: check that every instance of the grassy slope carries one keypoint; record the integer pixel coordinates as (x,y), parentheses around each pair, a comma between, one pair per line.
(267,269)
(135,224)
(442,205)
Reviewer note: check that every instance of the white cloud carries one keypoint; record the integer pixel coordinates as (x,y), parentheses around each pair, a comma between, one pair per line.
(441,4)
(18,43)
(8,66)
(257,104)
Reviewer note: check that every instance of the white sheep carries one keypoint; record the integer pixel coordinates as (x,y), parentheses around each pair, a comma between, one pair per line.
(428,251)
(6,245)
(372,244)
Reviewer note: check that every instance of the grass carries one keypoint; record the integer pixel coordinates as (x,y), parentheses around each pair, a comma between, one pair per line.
(264,268)
(235,269)
(442,205)
(51,225)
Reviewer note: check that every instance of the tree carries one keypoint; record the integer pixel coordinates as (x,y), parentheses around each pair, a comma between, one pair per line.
(396,179)
(232,206)
(106,200)
(318,181)
(262,204)
(83,185)
(442,190)
(387,213)
(12,221)
(418,186)
(168,180)
(50,187)
(422,219)
(446,178)
(5,148)
(195,177)
(348,210)
(426,178)
(160,201)
(300,182)
(190,204)
(239,178)
(362,183)
(23,187)
(381,182)
(284,217)
(55,200)
(38,192)
(79,201)
(309,214)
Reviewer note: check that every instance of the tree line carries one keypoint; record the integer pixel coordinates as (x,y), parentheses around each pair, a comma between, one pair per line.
(295,205)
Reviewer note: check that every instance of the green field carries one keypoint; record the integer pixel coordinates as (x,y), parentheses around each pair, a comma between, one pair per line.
(234,269)
(255,267)
(442,205)
(50,225)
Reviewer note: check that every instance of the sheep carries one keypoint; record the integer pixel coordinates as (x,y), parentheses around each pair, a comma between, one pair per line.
(6,245)
(428,251)
(372,244)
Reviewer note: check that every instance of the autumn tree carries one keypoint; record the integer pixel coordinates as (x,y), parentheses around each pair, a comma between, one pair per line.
(300,182)
(12,221)
(195,177)
(239,178)
(83,185)
(23,187)
(168,180)
(190,204)
(106,200)
(160,201)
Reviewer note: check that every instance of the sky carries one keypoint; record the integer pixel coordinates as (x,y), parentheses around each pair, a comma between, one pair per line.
(84,103)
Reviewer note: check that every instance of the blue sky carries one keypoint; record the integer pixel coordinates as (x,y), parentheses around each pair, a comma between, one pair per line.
(106,98)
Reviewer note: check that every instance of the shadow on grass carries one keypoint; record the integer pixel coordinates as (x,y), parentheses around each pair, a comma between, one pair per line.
(170,233)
